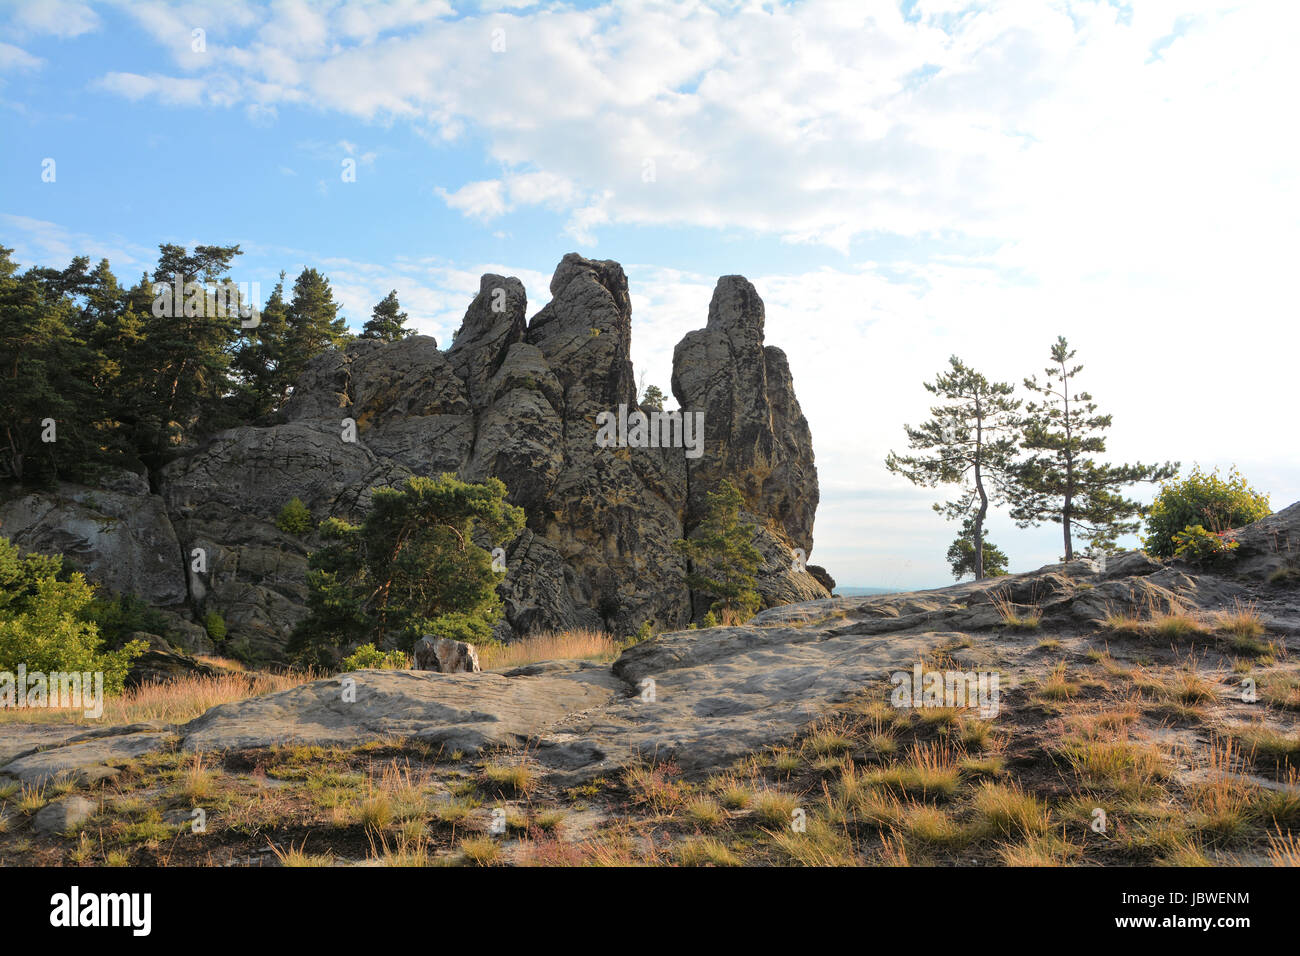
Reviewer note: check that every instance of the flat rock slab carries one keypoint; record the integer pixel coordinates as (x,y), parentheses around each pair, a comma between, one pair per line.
(85,762)
(18,740)
(464,712)
(738,690)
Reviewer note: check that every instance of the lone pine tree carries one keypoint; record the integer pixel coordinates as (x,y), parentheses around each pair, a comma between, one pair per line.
(972,444)
(387,321)
(1061,481)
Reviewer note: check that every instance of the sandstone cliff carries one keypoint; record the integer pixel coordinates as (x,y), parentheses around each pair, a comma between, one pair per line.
(512,398)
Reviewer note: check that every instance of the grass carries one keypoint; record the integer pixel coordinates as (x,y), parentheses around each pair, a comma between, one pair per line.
(509,778)
(1242,622)
(1127,769)
(1271,744)
(1284,849)
(1056,686)
(1008,810)
(480,850)
(580,644)
(175,701)
(1015,616)
(932,827)
(928,773)
(703,810)
(706,851)
(656,785)
(299,857)
(820,844)
(1281,690)
(775,809)
(197,784)
(1041,850)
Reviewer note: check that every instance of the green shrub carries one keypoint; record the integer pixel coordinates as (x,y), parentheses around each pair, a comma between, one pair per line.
(295,518)
(710,620)
(121,616)
(367,656)
(215,625)
(44,621)
(1217,504)
(1202,547)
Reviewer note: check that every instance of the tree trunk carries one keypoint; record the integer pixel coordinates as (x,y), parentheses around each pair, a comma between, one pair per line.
(979,487)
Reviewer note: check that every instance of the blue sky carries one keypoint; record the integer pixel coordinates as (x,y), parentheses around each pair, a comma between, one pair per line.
(901,182)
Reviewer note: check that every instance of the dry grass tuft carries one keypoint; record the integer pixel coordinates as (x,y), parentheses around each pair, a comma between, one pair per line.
(580,644)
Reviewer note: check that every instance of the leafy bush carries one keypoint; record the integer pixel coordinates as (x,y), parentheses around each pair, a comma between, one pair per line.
(1217,504)
(215,625)
(294,518)
(367,656)
(1202,547)
(44,621)
(710,620)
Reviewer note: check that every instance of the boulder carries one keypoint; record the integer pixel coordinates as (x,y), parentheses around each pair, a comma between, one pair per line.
(445,656)
(64,815)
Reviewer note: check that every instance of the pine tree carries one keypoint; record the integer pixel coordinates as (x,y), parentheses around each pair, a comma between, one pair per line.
(961,555)
(1061,481)
(313,325)
(723,558)
(262,388)
(975,447)
(412,567)
(46,405)
(653,399)
(188,348)
(387,321)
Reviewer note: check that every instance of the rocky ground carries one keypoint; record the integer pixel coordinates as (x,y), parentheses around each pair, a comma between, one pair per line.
(1148,712)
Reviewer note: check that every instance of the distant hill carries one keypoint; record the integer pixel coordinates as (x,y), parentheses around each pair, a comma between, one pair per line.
(862,592)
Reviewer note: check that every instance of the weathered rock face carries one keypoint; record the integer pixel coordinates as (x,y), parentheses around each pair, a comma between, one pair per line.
(755,435)
(121,539)
(512,399)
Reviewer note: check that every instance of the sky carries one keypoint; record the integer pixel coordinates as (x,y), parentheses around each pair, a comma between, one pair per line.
(901,182)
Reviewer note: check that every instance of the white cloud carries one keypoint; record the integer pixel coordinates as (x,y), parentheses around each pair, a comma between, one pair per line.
(60,18)
(483,200)
(15,58)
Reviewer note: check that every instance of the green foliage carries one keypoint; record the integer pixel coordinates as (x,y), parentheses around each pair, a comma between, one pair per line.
(721,554)
(653,399)
(369,657)
(387,321)
(710,620)
(1205,548)
(215,625)
(294,518)
(972,443)
(121,616)
(961,555)
(124,386)
(1219,504)
(412,567)
(44,621)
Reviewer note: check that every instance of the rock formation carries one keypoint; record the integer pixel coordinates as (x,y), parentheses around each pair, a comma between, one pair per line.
(511,398)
